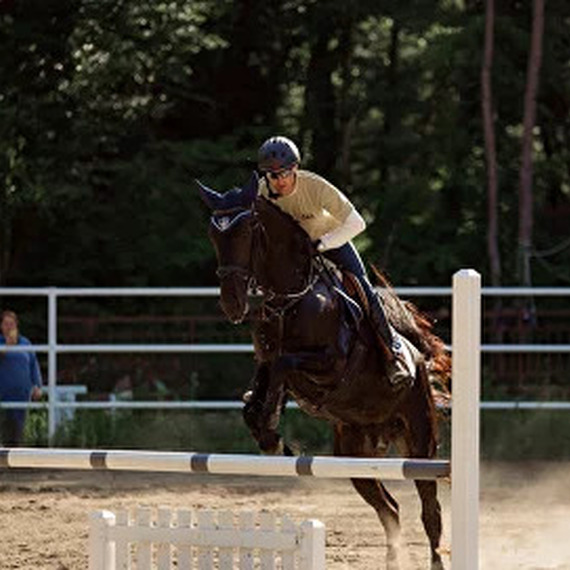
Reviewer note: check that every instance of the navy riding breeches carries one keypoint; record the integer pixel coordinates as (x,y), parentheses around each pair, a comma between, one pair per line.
(346,257)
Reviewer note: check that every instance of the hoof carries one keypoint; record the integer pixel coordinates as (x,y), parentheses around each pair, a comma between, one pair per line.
(437,565)
(274,449)
(393,558)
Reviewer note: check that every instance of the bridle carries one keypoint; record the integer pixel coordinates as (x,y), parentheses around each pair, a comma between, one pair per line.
(225,219)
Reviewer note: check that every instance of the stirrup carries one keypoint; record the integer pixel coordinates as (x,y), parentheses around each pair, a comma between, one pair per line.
(398,374)
(401,370)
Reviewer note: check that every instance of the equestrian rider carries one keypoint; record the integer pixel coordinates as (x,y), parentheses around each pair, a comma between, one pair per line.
(331,221)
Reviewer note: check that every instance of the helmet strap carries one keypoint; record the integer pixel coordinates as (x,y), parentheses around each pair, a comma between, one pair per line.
(272,194)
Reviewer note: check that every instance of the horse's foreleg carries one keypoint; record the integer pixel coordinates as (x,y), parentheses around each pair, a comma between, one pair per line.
(263,410)
(352,441)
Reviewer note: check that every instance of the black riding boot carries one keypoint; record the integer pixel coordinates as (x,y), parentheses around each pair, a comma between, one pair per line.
(401,367)
(379,320)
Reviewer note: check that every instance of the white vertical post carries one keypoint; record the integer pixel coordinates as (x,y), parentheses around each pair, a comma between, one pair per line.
(466,345)
(52,363)
(312,555)
(101,549)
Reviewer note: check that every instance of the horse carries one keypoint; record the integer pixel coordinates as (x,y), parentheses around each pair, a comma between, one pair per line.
(313,343)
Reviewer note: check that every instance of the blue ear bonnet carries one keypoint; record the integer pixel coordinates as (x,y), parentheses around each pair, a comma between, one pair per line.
(236,198)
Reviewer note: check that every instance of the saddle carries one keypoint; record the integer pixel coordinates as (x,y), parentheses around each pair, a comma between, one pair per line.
(356,307)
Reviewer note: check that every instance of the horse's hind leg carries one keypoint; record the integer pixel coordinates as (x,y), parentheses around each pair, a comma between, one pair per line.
(420,440)
(431,518)
(352,441)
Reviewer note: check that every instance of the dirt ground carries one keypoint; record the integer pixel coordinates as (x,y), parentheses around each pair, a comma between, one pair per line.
(524,524)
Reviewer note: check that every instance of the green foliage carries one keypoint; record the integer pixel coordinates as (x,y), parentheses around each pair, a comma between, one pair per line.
(513,436)
(110,109)
(525,435)
(196,430)
(205,431)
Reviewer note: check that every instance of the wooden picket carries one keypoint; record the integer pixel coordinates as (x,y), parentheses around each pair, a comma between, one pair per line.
(203,540)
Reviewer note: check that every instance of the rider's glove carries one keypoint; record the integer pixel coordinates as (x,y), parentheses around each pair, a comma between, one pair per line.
(318,247)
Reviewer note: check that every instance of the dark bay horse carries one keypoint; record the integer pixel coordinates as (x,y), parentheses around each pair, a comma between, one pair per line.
(312,344)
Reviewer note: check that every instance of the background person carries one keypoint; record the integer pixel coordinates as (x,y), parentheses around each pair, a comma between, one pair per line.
(331,221)
(20,379)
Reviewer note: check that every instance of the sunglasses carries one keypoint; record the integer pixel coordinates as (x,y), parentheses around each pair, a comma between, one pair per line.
(285,173)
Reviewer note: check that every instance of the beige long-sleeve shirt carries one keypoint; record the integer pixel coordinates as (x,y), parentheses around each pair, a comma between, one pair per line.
(321,209)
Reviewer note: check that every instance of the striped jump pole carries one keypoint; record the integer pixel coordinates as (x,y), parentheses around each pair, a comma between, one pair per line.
(223,464)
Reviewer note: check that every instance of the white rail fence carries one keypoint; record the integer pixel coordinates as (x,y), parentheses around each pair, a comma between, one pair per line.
(55,405)
(165,539)
(466,335)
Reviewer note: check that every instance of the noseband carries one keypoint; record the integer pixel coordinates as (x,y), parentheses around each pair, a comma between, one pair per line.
(224,271)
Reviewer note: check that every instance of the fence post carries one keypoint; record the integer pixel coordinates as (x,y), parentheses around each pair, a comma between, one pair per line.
(101,549)
(312,545)
(466,345)
(52,363)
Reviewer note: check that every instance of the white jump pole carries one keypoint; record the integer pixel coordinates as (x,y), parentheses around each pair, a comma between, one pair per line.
(466,345)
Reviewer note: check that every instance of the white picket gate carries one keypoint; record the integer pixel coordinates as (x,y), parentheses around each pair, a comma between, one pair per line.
(206,540)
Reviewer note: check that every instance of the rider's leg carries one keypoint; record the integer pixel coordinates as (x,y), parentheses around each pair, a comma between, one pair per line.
(346,257)
(401,369)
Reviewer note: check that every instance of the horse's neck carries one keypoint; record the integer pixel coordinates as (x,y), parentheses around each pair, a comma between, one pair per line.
(281,266)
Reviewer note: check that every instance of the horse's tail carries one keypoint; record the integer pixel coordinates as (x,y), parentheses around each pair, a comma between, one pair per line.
(418,328)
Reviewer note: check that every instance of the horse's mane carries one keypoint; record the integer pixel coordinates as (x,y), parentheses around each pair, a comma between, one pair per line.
(266,206)
(286,239)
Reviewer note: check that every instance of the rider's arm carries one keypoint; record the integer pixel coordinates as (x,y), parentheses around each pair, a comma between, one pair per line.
(351,227)
(350,222)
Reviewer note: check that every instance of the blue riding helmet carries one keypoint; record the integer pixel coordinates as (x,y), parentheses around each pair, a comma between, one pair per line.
(278,153)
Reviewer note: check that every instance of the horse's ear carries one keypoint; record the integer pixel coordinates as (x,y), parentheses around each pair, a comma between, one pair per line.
(213,199)
(251,188)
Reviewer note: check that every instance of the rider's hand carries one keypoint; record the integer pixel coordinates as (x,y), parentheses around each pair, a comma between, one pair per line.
(317,245)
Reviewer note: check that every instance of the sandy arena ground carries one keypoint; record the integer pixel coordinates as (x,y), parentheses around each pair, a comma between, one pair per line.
(525,514)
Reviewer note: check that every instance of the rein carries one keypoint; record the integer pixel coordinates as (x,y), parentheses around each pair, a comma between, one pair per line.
(225,270)
(269,312)
(271,295)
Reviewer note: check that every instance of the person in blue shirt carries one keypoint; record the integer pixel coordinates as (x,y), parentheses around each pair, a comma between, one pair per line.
(20,379)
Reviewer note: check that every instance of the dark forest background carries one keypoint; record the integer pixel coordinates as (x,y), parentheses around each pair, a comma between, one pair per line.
(108,109)
(446,122)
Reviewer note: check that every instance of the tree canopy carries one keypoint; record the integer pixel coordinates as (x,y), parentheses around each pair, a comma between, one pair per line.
(110,109)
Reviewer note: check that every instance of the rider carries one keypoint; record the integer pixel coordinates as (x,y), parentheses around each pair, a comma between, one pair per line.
(331,221)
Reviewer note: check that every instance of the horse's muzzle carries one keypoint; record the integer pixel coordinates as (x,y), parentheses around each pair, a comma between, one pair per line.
(234,300)
(235,315)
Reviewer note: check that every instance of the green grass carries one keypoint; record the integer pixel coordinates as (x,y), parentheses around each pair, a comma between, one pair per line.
(511,435)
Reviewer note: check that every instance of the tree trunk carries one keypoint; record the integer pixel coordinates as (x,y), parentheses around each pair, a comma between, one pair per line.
(5,241)
(321,104)
(525,179)
(490,147)
(491,159)
(347,105)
